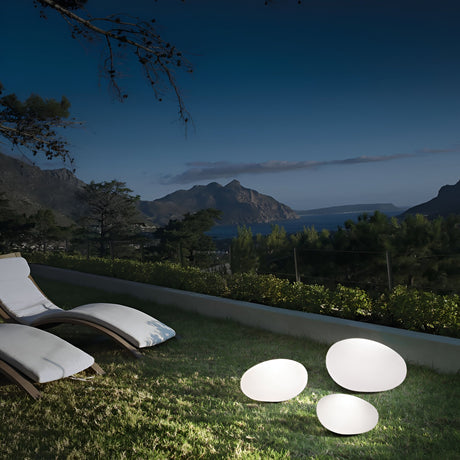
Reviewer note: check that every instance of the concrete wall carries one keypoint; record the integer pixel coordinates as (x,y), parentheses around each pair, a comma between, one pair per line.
(440,353)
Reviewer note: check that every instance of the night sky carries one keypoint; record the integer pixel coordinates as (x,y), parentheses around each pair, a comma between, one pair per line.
(320,104)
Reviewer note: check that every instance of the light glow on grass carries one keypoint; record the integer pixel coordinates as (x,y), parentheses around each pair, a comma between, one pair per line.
(183,400)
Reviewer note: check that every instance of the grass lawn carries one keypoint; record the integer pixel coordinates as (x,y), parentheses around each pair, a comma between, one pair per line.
(182,400)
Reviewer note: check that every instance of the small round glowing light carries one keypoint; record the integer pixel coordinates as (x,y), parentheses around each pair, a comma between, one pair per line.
(346,414)
(365,365)
(275,380)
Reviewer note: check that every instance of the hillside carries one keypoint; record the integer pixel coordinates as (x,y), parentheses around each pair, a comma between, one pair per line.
(239,205)
(352,208)
(446,202)
(29,188)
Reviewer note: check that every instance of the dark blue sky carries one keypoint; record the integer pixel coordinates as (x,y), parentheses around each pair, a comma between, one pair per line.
(319,104)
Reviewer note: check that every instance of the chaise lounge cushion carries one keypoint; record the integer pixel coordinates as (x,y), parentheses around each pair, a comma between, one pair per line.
(23,300)
(39,355)
(26,304)
(136,327)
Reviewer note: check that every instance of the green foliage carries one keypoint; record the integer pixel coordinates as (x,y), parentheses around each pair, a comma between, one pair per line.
(184,241)
(403,307)
(310,298)
(111,213)
(424,253)
(423,311)
(44,229)
(34,123)
(350,303)
(264,289)
(14,227)
(274,251)
(244,258)
(160,273)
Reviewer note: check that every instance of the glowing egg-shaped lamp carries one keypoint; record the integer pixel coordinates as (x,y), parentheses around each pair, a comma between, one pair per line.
(365,365)
(275,380)
(346,414)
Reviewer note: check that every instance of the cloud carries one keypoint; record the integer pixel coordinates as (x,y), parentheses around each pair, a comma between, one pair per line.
(454,149)
(199,171)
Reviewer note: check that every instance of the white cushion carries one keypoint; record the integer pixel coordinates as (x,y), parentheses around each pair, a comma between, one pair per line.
(39,355)
(22,299)
(13,268)
(140,329)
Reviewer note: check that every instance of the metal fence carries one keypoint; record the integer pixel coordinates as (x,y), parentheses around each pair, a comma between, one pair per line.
(370,270)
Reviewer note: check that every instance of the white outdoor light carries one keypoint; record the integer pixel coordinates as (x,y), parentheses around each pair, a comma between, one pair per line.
(346,414)
(365,365)
(275,380)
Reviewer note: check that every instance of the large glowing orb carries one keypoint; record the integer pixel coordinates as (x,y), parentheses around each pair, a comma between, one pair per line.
(346,414)
(365,365)
(275,380)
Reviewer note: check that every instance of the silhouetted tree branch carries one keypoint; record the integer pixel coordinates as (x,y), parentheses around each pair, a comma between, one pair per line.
(157,58)
(33,123)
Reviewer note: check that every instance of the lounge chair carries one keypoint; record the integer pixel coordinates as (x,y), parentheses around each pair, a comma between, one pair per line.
(22,301)
(31,355)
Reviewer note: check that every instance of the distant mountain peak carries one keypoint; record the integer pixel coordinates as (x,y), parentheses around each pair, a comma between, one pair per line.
(234,184)
(239,205)
(446,202)
(446,190)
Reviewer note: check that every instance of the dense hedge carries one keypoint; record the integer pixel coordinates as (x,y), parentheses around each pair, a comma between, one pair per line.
(159,273)
(403,307)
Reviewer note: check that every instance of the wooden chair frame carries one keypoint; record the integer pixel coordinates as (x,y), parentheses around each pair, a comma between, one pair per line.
(19,379)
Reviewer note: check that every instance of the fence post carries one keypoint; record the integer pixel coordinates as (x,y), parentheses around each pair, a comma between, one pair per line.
(297,276)
(389,274)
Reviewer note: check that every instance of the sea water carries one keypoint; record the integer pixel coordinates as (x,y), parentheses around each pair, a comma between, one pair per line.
(329,222)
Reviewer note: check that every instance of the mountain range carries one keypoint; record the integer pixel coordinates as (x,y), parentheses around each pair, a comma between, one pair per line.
(29,188)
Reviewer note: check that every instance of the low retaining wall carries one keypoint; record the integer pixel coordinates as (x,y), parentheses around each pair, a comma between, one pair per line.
(437,352)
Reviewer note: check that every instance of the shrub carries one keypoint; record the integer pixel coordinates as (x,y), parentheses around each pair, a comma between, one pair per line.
(311,298)
(160,273)
(403,307)
(350,303)
(264,289)
(423,311)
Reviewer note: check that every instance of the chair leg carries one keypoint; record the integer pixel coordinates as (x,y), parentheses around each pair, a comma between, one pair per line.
(42,322)
(97,369)
(17,378)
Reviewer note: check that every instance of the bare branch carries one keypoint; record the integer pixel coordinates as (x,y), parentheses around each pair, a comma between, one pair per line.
(157,57)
